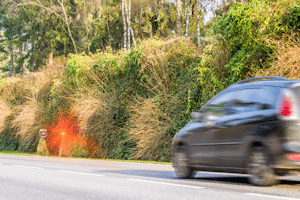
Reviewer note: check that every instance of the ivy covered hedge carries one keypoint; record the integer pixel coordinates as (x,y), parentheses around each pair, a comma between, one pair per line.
(130,105)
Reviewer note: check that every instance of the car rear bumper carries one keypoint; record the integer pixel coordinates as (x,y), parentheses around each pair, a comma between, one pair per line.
(285,162)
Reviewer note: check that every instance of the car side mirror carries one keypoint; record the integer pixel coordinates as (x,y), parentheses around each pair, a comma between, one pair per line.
(197,116)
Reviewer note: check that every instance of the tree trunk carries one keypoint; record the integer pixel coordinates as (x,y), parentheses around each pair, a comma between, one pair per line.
(178,5)
(32,58)
(198,22)
(187,19)
(124,24)
(11,62)
(21,60)
(133,39)
(223,6)
(51,59)
(213,8)
(66,19)
(128,12)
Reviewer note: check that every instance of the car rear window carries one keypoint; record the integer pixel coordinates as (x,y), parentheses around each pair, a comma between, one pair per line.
(296,90)
(254,98)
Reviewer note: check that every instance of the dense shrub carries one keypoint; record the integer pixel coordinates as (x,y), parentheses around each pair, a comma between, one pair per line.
(246,28)
(129,105)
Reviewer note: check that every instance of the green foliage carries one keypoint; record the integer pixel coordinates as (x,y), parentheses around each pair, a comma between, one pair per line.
(8,141)
(131,104)
(129,76)
(293,19)
(78,149)
(29,144)
(244,28)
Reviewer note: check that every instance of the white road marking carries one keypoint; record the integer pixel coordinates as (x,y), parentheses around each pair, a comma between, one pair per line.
(271,196)
(80,173)
(27,167)
(163,183)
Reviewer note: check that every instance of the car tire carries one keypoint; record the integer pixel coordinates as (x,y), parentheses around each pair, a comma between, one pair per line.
(259,170)
(181,164)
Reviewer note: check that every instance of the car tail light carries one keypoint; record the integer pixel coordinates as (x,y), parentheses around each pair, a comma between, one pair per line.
(287,108)
(294,157)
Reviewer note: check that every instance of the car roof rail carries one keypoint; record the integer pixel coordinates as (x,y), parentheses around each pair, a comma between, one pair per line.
(275,78)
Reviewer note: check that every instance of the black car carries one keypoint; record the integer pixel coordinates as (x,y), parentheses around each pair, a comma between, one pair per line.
(251,127)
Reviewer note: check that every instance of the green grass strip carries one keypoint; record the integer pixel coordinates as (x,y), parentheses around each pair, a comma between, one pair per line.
(114,160)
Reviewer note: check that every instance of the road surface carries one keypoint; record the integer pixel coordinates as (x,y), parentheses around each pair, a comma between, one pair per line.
(34,177)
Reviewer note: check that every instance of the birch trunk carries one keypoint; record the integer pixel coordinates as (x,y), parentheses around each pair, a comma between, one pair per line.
(11,62)
(31,58)
(21,60)
(187,19)
(198,23)
(213,8)
(68,25)
(128,23)
(133,39)
(125,27)
(178,4)
(51,58)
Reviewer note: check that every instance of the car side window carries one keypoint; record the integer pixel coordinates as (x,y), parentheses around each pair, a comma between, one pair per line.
(220,105)
(243,101)
(267,97)
(248,100)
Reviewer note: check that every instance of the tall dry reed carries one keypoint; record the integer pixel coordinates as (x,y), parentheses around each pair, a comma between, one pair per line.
(5,112)
(27,112)
(160,58)
(286,60)
(92,109)
(148,127)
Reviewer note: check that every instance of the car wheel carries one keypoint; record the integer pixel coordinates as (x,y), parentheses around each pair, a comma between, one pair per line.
(259,170)
(181,165)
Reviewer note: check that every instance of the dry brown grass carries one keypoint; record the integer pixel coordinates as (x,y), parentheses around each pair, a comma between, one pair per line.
(286,61)
(148,127)
(158,59)
(27,88)
(91,108)
(26,116)
(86,106)
(218,52)
(5,112)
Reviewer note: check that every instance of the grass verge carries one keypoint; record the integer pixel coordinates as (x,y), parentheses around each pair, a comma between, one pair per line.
(114,160)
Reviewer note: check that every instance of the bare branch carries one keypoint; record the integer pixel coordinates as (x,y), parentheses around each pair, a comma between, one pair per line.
(64,18)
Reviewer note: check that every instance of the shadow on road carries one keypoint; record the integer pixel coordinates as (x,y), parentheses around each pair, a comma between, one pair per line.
(290,182)
(143,173)
(222,178)
(239,179)
(208,177)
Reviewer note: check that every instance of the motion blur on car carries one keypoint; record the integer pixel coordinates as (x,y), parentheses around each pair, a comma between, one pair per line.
(251,127)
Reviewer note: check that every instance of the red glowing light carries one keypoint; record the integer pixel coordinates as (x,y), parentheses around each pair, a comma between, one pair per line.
(62,134)
(286,107)
(294,157)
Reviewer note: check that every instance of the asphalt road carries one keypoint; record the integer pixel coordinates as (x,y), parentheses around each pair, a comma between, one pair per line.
(33,177)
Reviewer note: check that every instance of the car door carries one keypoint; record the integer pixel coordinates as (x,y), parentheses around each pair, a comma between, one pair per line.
(203,140)
(253,109)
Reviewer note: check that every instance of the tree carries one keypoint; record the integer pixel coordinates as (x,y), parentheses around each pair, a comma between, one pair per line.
(178,6)
(187,18)
(88,21)
(11,29)
(124,24)
(128,32)
(60,8)
(198,22)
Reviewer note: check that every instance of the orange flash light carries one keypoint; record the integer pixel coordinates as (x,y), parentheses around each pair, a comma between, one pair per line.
(62,134)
